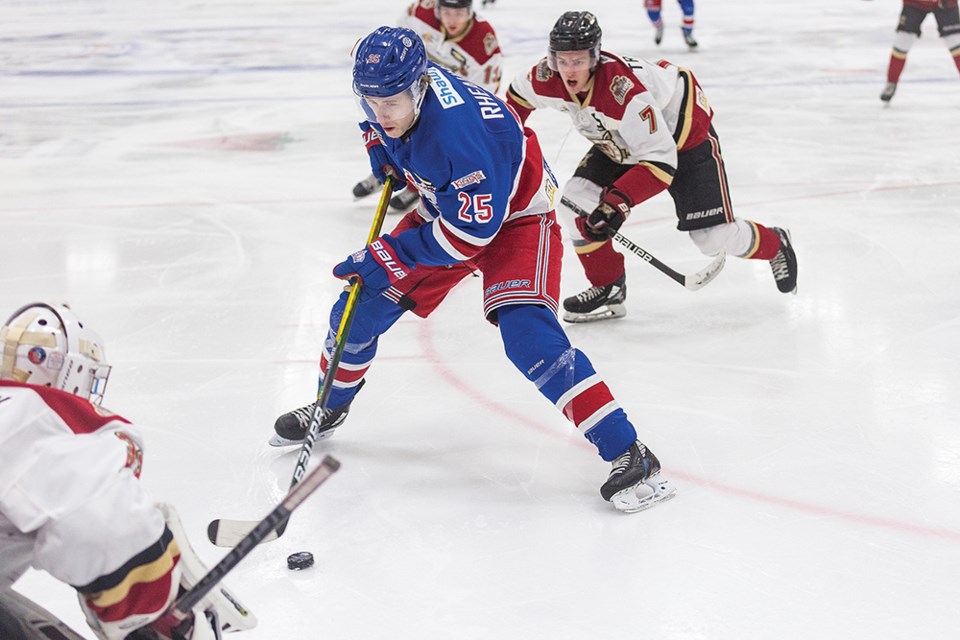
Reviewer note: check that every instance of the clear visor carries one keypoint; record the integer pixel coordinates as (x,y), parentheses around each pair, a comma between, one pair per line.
(399,109)
(561,61)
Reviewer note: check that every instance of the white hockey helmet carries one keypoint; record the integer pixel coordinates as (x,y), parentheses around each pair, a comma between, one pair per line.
(48,345)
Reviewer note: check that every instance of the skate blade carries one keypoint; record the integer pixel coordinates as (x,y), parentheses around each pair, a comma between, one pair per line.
(607,313)
(644,495)
(280,441)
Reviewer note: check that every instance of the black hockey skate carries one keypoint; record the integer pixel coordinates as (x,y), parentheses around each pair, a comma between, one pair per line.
(405,200)
(366,186)
(597,303)
(634,483)
(658,34)
(291,427)
(784,264)
(888,91)
(690,40)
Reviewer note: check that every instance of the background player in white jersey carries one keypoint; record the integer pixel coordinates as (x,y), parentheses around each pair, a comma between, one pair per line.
(70,500)
(486,206)
(458,40)
(650,125)
(654,7)
(912,15)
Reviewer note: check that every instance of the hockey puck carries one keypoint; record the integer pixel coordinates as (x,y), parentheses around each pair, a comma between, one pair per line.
(299,561)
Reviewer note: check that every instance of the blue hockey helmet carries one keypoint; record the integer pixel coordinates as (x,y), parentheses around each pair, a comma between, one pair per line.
(388,61)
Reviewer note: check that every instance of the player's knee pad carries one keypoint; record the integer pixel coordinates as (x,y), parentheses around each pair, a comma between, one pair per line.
(532,338)
(903,40)
(733,238)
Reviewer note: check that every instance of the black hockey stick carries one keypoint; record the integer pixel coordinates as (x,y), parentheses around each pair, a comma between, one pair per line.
(692,282)
(280,514)
(226,533)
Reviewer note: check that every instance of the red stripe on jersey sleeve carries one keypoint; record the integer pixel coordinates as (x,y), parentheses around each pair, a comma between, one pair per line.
(144,598)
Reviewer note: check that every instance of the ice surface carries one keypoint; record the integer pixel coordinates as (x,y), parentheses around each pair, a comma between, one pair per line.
(181,173)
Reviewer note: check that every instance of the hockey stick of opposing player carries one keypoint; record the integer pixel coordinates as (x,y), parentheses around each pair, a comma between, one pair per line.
(263,529)
(226,533)
(692,282)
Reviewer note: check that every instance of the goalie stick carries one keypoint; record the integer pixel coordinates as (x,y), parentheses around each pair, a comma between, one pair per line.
(227,533)
(257,534)
(691,282)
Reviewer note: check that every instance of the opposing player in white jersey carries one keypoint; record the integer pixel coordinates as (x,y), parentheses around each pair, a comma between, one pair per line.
(458,40)
(650,125)
(487,207)
(71,503)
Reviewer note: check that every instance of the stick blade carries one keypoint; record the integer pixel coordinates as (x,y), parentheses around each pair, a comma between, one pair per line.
(228,533)
(705,276)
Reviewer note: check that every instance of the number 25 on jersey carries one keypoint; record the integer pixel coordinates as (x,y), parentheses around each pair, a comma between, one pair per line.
(475,207)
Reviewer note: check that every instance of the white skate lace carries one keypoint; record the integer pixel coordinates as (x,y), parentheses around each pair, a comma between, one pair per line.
(303,415)
(621,464)
(590,294)
(779,266)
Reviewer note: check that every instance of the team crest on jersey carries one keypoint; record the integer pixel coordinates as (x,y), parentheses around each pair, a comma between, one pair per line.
(418,183)
(36,355)
(470,178)
(489,43)
(620,86)
(544,72)
(442,86)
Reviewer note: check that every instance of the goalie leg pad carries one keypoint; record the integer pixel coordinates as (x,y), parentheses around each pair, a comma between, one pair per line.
(232,613)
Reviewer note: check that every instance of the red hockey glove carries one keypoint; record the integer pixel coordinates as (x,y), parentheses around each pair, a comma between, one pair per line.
(380,161)
(607,218)
(380,265)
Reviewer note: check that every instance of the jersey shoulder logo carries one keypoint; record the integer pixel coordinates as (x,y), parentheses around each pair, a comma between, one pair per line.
(620,87)
(489,43)
(544,72)
(441,86)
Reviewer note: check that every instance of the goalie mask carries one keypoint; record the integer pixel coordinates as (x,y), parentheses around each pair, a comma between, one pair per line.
(47,345)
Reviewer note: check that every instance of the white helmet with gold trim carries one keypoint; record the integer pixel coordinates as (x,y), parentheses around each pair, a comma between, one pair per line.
(48,345)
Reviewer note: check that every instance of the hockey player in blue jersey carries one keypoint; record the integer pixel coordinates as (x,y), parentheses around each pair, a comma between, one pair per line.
(654,7)
(487,206)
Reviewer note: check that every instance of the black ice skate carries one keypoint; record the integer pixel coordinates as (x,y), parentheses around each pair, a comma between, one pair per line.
(888,91)
(366,186)
(690,40)
(597,303)
(291,427)
(634,483)
(784,264)
(405,200)
(658,34)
